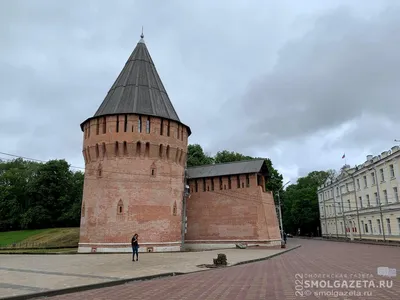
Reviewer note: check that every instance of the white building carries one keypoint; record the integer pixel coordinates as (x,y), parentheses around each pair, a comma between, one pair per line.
(363,202)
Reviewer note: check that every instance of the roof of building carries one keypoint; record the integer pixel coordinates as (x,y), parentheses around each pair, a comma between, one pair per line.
(233,168)
(138,90)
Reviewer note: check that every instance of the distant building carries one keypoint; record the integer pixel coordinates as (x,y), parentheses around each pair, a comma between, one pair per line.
(228,204)
(363,202)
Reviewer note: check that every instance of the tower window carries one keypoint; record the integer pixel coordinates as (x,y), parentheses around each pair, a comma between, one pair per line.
(167,152)
(138,148)
(97,126)
(212,184)
(100,171)
(140,124)
(153,171)
(117,124)
(126,123)
(178,131)
(238,181)
(162,127)
(104,150)
(248,180)
(148,125)
(104,125)
(174,209)
(120,207)
(168,127)
(220,183)
(125,149)
(160,151)
(147,150)
(195,185)
(182,133)
(204,184)
(97,151)
(116,149)
(229,182)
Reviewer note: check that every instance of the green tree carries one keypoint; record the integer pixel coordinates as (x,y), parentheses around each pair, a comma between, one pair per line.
(197,157)
(226,156)
(300,203)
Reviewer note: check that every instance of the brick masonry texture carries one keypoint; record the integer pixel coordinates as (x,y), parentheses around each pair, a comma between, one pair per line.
(237,214)
(133,180)
(270,279)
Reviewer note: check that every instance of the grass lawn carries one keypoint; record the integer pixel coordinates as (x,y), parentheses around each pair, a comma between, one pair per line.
(41,238)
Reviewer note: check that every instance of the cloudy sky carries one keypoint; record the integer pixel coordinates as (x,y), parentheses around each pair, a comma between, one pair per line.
(301,82)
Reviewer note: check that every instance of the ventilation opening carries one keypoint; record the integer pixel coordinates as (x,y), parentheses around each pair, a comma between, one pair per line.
(150,249)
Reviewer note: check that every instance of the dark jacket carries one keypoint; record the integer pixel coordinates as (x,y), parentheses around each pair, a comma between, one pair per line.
(134,242)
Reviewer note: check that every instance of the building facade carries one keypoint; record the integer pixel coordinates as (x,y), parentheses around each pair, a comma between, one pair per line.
(363,202)
(135,151)
(228,204)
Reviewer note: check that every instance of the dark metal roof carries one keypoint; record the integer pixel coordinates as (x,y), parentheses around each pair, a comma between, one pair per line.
(138,90)
(234,168)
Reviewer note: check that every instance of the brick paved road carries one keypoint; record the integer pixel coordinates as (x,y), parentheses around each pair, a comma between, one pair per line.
(271,279)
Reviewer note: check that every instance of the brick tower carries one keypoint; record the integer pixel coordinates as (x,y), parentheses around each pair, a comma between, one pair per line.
(135,151)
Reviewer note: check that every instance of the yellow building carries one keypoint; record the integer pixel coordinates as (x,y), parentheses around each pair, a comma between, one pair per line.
(363,202)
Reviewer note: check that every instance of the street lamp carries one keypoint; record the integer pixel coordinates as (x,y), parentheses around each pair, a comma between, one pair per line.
(279,207)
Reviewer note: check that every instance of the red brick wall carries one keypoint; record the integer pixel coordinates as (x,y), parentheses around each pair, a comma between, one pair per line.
(244,214)
(125,177)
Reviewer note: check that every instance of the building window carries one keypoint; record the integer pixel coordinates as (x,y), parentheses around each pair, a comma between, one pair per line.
(378,222)
(373,178)
(120,207)
(362,227)
(365,182)
(389,228)
(368,201)
(196,187)
(229,182)
(147,149)
(126,123)
(138,148)
(116,150)
(398,224)
(370,227)
(396,194)
(97,151)
(204,184)
(220,183)
(360,201)
(385,195)
(376,199)
(167,152)
(148,125)
(238,181)
(247,180)
(358,184)
(391,171)
(104,125)
(366,228)
(160,151)
(382,175)
(140,124)
(168,127)
(337,191)
(153,171)
(117,124)
(162,127)
(348,204)
(125,148)
(212,184)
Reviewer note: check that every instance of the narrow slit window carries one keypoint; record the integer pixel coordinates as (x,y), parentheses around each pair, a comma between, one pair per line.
(97,151)
(178,132)
(148,125)
(160,151)
(116,148)
(97,126)
(147,150)
(104,125)
(162,127)
(138,148)
(182,133)
(125,149)
(248,180)
(126,123)
(195,185)
(117,124)
(238,181)
(220,183)
(168,127)
(204,184)
(167,152)
(229,182)
(140,124)
(212,184)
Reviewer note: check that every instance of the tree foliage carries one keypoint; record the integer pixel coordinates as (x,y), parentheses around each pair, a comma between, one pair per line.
(39,195)
(300,203)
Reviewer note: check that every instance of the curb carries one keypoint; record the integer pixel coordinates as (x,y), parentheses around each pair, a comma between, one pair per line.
(88,287)
(393,244)
(265,258)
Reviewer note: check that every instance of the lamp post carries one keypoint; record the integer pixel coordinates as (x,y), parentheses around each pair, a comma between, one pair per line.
(280,209)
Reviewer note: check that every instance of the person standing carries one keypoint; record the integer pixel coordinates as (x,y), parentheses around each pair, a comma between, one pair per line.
(284,237)
(135,247)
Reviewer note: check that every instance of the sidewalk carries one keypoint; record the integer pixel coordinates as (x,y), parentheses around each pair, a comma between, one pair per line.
(27,274)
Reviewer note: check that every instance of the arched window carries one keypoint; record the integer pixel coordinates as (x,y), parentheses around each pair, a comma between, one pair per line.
(125,148)
(147,150)
(174,209)
(138,148)
(116,150)
(160,152)
(120,207)
(167,152)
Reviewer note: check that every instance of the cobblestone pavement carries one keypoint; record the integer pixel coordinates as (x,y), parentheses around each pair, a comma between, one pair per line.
(274,278)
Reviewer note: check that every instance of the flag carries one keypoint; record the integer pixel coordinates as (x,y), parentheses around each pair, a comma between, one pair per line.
(344,155)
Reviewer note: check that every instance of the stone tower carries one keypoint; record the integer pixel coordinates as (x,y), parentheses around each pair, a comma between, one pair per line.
(135,151)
